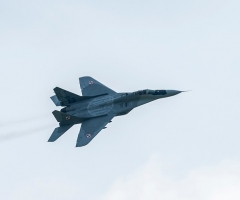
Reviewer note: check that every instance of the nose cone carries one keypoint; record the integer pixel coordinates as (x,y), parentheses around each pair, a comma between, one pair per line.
(172,92)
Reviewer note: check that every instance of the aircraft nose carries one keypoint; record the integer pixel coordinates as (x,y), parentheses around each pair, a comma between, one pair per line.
(172,92)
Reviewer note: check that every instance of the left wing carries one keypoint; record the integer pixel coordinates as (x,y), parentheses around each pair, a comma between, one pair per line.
(91,128)
(92,87)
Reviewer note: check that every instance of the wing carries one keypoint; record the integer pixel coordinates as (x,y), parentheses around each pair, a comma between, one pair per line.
(91,87)
(91,128)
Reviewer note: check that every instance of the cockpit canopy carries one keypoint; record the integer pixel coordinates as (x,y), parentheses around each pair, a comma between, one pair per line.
(150,92)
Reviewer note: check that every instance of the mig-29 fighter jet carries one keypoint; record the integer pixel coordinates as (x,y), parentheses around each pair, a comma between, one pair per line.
(97,107)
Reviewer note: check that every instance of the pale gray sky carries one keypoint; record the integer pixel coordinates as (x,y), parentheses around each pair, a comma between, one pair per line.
(181,148)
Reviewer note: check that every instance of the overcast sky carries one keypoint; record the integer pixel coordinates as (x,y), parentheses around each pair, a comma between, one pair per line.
(181,148)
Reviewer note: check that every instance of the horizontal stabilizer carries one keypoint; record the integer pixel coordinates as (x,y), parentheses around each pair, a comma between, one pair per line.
(58,132)
(65,119)
(55,100)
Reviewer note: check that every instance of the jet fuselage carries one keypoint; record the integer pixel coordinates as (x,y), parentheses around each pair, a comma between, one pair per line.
(97,106)
(118,103)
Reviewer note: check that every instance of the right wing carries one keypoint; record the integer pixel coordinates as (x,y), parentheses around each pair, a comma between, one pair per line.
(91,87)
(90,128)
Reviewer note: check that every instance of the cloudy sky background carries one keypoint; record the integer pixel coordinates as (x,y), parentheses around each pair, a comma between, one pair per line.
(185,147)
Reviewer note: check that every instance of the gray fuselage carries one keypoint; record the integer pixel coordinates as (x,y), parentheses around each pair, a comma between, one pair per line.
(117,104)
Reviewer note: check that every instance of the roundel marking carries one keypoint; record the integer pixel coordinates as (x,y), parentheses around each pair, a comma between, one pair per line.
(88,135)
(90,82)
(68,117)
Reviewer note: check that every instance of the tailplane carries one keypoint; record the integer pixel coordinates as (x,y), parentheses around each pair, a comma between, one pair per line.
(65,119)
(56,100)
(59,131)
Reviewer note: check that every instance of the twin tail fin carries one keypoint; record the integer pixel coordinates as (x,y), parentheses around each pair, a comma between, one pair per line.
(65,98)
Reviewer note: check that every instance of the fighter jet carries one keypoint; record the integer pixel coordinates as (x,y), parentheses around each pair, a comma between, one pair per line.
(97,106)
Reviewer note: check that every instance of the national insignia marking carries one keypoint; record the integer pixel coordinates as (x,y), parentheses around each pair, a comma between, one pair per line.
(68,117)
